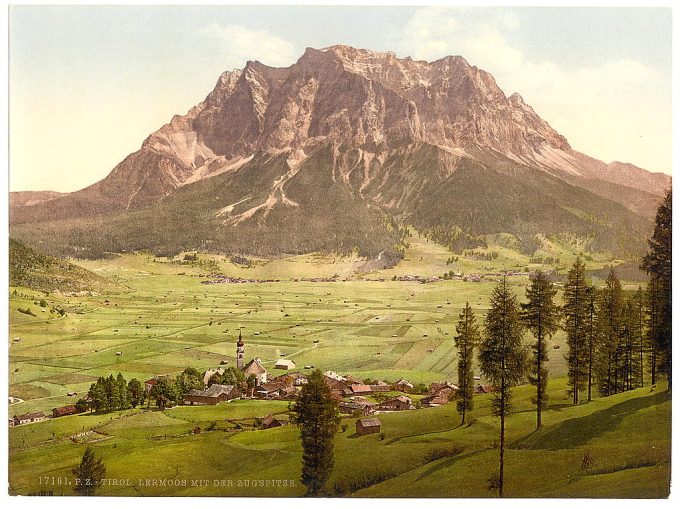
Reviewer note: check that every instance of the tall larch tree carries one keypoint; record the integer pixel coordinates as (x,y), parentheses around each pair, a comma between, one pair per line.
(653,312)
(591,335)
(503,358)
(658,264)
(316,413)
(610,324)
(466,339)
(541,316)
(638,322)
(575,312)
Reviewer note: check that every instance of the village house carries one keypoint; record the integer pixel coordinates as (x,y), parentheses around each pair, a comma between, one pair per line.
(278,388)
(333,375)
(339,389)
(64,410)
(368,425)
(212,395)
(437,386)
(209,373)
(349,407)
(297,378)
(361,389)
(484,389)
(255,367)
(284,364)
(381,387)
(441,397)
(148,385)
(396,404)
(403,385)
(28,418)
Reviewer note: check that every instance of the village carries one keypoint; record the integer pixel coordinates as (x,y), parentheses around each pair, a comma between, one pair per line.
(363,399)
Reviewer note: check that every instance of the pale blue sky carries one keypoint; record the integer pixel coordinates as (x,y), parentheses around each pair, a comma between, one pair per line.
(88,84)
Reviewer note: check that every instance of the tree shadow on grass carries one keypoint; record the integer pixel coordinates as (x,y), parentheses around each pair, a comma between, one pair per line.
(448,462)
(580,430)
(398,439)
(558,407)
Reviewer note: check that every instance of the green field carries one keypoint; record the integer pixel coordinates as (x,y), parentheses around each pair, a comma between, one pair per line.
(161,319)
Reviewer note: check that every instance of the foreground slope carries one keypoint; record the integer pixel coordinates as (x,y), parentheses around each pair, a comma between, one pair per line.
(424,453)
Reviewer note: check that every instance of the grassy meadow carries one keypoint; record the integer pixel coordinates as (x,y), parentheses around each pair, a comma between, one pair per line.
(157,318)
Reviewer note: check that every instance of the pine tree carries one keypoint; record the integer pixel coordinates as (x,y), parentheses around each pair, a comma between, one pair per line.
(653,312)
(591,334)
(123,400)
(466,339)
(541,317)
(316,413)
(575,317)
(503,358)
(97,394)
(658,264)
(136,392)
(610,319)
(89,473)
(638,321)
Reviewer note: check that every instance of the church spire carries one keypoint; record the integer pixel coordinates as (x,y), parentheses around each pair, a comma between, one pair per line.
(240,351)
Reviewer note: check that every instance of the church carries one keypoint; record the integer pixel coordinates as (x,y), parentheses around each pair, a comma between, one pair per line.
(254,367)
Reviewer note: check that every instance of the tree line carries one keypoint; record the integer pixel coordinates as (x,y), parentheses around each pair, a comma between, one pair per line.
(616,339)
(109,394)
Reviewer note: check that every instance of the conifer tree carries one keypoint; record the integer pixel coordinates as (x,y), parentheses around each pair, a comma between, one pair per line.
(658,264)
(541,317)
(575,317)
(97,394)
(136,392)
(466,339)
(316,413)
(653,311)
(503,358)
(610,321)
(639,328)
(591,334)
(123,399)
(89,473)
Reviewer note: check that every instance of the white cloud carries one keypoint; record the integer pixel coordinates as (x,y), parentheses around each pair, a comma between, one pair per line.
(615,110)
(239,44)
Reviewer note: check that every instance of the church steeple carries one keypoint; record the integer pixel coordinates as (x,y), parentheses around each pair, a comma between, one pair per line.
(240,351)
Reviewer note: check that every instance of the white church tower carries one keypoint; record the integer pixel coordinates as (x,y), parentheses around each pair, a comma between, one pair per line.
(240,351)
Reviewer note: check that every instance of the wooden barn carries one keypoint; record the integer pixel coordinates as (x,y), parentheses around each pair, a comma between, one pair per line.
(368,425)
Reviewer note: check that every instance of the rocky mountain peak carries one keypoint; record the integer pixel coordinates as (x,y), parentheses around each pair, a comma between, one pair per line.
(359,99)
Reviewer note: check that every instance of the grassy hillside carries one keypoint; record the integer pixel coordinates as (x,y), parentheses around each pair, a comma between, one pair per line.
(369,326)
(424,453)
(38,271)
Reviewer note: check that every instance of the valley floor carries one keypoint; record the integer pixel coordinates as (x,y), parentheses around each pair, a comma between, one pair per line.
(164,320)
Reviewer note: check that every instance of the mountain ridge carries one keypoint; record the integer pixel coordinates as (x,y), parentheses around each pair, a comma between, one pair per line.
(365,113)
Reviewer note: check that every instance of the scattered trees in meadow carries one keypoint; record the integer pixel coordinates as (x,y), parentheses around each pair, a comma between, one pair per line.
(466,339)
(541,316)
(575,320)
(503,357)
(316,413)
